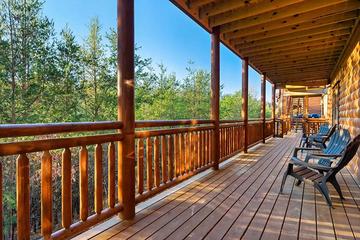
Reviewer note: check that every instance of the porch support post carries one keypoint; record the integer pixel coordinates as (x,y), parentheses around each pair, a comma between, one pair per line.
(263,105)
(244,112)
(306,106)
(273,107)
(215,94)
(126,113)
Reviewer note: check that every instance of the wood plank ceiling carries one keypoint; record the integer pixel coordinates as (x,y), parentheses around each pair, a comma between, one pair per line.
(296,42)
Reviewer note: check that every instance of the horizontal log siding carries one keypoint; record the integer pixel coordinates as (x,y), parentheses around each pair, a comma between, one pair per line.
(349,77)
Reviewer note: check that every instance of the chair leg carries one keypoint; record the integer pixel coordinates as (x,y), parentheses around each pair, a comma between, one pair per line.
(325,192)
(283,181)
(336,185)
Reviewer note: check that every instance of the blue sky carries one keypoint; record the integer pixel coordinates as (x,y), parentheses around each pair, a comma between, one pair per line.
(164,33)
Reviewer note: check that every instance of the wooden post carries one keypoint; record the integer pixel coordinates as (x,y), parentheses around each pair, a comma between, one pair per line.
(306,106)
(273,106)
(126,114)
(215,93)
(244,112)
(263,106)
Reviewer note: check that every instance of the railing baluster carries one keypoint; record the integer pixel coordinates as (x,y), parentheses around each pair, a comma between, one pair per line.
(198,160)
(46,195)
(83,183)
(140,165)
(23,196)
(66,205)
(183,154)
(157,161)
(187,149)
(176,155)
(171,157)
(163,159)
(150,183)
(201,148)
(98,179)
(111,174)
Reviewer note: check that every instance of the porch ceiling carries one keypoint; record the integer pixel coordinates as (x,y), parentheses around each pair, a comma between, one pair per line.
(300,42)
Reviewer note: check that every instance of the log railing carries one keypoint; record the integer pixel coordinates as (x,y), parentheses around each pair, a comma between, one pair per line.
(101,146)
(166,153)
(282,127)
(312,125)
(231,138)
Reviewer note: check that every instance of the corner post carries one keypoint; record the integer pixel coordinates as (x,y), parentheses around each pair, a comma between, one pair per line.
(215,94)
(273,106)
(126,113)
(244,112)
(263,106)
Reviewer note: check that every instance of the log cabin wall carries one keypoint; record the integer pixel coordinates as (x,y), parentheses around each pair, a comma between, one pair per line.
(349,110)
(314,105)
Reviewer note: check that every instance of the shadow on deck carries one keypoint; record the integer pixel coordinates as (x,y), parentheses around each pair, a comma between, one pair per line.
(242,201)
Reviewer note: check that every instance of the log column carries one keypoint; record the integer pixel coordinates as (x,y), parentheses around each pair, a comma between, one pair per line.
(306,106)
(126,114)
(244,111)
(263,106)
(273,107)
(215,93)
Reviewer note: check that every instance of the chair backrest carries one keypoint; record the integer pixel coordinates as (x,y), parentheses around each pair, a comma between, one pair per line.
(333,143)
(330,133)
(348,155)
(338,142)
(324,129)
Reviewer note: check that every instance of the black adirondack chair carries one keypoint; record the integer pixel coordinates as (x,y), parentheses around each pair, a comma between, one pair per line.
(334,148)
(323,130)
(320,141)
(318,174)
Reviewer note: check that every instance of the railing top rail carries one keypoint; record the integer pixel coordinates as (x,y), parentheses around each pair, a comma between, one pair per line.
(22,130)
(53,144)
(232,121)
(168,123)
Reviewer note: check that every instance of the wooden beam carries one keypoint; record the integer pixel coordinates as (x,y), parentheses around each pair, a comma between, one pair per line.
(250,10)
(263,106)
(291,65)
(244,111)
(315,15)
(224,6)
(290,45)
(295,77)
(302,66)
(325,31)
(294,9)
(350,45)
(300,50)
(300,69)
(215,94)
(305,82)
(198,3)
(297,54)
(304,72)
(126,107)
(311,59)
(320,26)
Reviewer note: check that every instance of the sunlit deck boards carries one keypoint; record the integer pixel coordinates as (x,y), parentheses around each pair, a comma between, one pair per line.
(242,201)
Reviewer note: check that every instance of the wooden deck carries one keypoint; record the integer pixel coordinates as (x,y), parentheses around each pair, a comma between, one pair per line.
(242,201)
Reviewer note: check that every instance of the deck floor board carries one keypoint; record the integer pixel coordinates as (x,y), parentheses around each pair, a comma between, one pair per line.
(242,201)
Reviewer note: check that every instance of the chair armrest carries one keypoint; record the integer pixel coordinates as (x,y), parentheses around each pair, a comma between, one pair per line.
(320,167)
(319,139)
(299,162)
(297,149)
(326,155)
